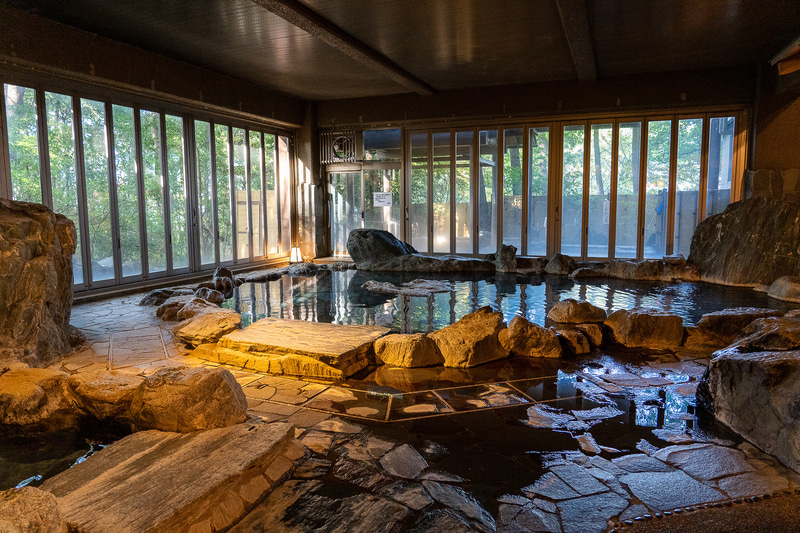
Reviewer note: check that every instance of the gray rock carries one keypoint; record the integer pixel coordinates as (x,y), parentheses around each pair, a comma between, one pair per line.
(645,328)
(35,283)
(412,495)
(157,296)
(579,479)
(404,461)
(550,486)
(705,462)
(506,258)
(531,265)
(663,491)
(210,295)
(169,309)
(473,340)
(571,311)
(755,394)
(30,510)
(223,281)
(767,334)
(752,483)
(591,513)
(560,264)
(367,246)
(184,400)
(754,241)
(785,288)
(667,269)
(535,519)
(640,462)
(440,520)
(525,339)
(725,325)
(303,270)
(458,500)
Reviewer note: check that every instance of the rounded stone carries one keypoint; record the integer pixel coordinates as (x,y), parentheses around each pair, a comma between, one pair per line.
(571,311)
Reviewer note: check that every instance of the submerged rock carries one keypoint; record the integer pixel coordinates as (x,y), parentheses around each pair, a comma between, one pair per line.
(408,350)
(417,287)
(36,248)
(755,394)
(473,340)
(526,339)
(785,288)
(184,400)
(643,327)
(571,311)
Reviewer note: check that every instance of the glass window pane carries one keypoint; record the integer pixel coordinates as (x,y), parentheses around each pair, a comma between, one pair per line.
(61,143)
(345,191)
(23,143)
(205,191)
(240,187)
(599,190)
(629,158)
(572,191)
(487,191)
(418,214)
(441,192)
(153,190)
(382,145)
(284,187)
(222,170)
(177,193)
(656,204)
(512,187)
(690,145)
(386,217)
(720,164)
(271,192)
(255,194)
(127,190)
(537,190)
(464,192)
(98,207)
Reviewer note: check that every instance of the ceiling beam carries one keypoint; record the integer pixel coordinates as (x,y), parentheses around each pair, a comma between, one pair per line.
(307,20)
(578,30)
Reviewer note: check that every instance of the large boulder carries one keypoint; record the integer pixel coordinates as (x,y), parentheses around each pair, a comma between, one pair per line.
(643,327)
(367,246)
(560,264)
(36,248)
(408,351)
(30,395)
(506,258)
(725,325)
(785,288)
(668,269)
(571,311)
(525,339)
(106,395)
(30,510)
(184,400)
(754,241)
(204,325)
(767,334)
(755,394)
(473,340)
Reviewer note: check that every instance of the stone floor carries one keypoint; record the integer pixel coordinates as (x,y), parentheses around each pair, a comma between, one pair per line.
(586,450)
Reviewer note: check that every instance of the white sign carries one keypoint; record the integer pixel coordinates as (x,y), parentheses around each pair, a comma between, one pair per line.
(382,199)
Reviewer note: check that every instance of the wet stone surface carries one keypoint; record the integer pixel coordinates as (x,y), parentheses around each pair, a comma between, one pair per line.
(573,445)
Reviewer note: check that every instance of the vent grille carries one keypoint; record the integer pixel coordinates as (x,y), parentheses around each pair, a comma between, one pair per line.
(338,147)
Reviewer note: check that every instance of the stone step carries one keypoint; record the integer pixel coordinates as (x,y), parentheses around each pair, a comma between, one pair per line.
(158,481)
(298,348)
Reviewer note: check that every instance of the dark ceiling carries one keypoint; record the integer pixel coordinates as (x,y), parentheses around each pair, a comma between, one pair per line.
(326,49)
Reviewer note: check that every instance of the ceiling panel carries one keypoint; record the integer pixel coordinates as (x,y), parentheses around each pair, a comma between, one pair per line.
(468,43)
(645,36)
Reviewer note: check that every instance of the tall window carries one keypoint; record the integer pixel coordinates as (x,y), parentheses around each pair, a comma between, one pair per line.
(600,190)
(121,173)
(538,176)
(513,149)
(572,191)
(659,134)
(629,161)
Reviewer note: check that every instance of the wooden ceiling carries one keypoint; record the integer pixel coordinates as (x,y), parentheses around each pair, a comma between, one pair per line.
(326,49)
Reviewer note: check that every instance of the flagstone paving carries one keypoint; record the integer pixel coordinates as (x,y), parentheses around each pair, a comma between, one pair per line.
(588,449)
